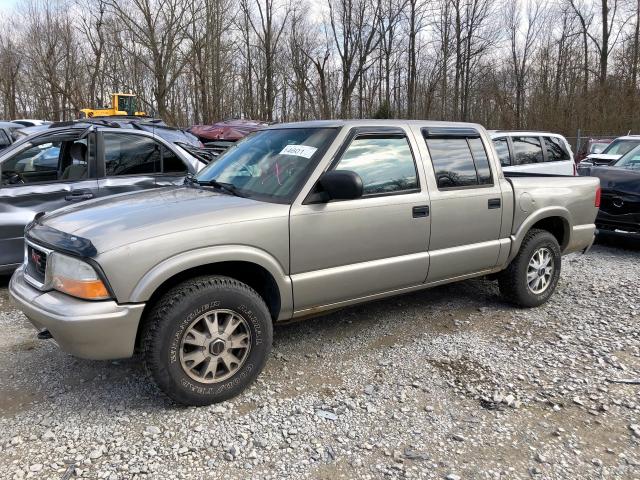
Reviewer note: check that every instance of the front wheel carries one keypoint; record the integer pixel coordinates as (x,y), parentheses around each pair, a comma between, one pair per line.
(532,276)
(207,340)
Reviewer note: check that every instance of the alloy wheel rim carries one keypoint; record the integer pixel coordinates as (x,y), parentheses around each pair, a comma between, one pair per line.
(215,346)
(540,270)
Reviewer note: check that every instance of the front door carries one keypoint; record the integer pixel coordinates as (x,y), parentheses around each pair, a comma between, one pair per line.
(466,203)
(345,250)
(49,173)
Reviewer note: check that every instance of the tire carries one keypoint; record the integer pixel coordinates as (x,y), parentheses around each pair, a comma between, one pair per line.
(192,361)
(514,283)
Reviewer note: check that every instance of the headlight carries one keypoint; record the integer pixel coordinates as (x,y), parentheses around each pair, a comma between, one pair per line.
(75,277)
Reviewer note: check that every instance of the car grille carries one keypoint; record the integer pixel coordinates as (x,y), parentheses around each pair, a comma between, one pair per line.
(36,263)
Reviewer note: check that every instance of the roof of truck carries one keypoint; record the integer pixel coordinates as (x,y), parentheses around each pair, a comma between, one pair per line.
(370,123)
(524,132)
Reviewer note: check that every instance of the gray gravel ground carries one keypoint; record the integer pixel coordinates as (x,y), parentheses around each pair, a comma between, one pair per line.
(447,383)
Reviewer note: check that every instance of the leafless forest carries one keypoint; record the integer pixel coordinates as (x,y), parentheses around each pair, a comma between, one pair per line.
(560,65)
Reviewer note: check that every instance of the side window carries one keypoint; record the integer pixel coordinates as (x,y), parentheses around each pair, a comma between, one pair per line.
(5,141)
(459,162)
(527,150)
(556,151)
(481,160)
(38,164)
(502,147)
(385,163)
(171,163)
(126,154)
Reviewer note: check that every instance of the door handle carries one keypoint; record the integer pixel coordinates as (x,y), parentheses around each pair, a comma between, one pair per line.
(79,196)
(421,211)
(494,203)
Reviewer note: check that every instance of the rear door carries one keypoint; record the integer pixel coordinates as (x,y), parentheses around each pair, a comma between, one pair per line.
(42,177)
(466,203)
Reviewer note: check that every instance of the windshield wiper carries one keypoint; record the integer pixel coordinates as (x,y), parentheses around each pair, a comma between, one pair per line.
(225,187)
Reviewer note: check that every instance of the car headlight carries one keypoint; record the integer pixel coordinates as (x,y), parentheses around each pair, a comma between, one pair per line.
(75,277)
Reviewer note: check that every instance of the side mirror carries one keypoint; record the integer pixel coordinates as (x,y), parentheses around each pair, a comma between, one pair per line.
(341,184)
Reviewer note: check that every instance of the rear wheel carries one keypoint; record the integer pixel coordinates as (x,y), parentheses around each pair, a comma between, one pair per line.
(207,340)
(532,276)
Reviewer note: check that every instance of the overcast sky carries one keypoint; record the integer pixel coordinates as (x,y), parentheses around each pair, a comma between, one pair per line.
(6,5)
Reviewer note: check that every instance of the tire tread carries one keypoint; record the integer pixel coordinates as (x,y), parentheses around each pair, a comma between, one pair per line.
(158,313)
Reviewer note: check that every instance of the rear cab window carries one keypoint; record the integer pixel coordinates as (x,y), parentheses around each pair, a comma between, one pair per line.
(459,158)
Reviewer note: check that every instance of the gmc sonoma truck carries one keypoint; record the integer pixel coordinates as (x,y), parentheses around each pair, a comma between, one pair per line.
(295,220)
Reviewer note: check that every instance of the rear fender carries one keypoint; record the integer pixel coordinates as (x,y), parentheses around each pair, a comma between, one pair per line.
(535,217)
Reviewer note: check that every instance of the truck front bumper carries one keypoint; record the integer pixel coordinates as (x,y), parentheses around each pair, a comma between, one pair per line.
(102,330)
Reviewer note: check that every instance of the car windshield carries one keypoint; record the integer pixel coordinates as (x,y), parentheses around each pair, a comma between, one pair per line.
(620,147)
(598,147)
(270,165)
(631,160)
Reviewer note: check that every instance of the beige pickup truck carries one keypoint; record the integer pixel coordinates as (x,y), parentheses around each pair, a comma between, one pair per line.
(296,220)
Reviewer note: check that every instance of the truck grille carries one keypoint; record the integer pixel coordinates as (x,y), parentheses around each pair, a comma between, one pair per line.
(36,263)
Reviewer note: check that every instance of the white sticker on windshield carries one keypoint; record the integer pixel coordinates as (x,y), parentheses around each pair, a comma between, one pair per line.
(299,151)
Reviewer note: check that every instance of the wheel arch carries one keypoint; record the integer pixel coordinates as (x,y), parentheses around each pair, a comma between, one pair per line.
(556,221)
(249,265)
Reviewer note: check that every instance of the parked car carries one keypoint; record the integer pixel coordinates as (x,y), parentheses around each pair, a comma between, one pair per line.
(620,204)
(590,146)
(221,135)
(533,152)
(7,133)
(613,152)
(69,163)
(26,131)
(30,122)
(296,220)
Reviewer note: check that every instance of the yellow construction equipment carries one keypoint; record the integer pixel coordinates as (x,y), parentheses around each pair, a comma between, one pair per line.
(122,104)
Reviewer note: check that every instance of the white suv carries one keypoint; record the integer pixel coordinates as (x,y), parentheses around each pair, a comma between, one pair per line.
(533,152)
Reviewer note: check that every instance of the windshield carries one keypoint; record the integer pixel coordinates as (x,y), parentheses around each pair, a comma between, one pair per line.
(598,147)
(631,160)
(270,165)
(620,147)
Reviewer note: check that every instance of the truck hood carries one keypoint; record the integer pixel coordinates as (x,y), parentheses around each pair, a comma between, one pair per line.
(118,220)
(621,180)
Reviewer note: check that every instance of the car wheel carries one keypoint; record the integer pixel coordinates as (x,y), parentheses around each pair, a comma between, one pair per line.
(532,276)
(207,340)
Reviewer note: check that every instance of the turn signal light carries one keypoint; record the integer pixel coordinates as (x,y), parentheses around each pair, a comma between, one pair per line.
(87,289)
(598,194)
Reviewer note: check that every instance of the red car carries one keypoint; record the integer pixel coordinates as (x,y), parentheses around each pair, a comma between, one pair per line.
(220,136)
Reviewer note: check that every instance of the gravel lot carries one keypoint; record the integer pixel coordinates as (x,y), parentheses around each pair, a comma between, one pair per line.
(447,383)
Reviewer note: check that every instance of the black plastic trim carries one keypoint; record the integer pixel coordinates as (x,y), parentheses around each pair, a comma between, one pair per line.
(450,132)
(60,241)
